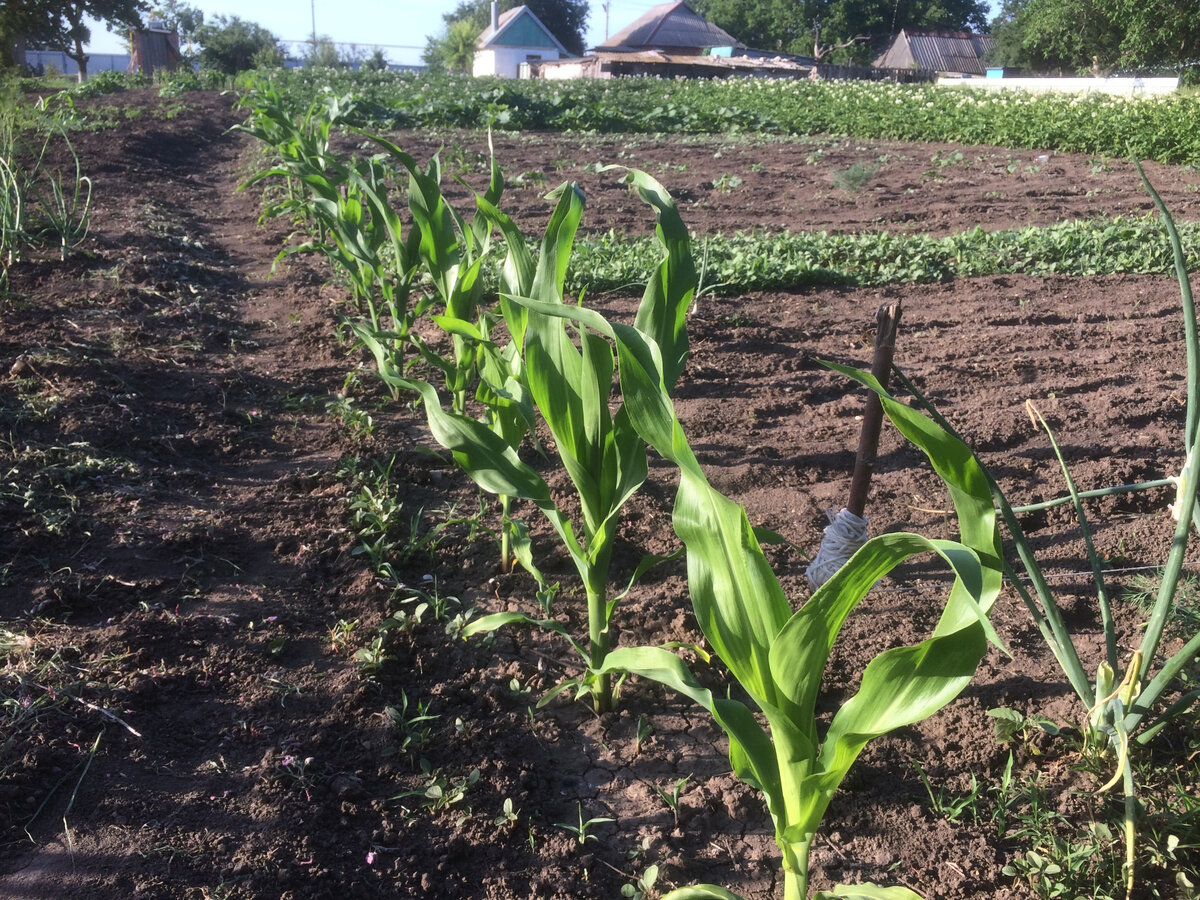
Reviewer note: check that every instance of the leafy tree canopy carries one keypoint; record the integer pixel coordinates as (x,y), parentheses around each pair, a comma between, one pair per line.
(454,51)
(566,20)
(1098,35)
(231,45)
(788,25)
(59,24)
(180,17)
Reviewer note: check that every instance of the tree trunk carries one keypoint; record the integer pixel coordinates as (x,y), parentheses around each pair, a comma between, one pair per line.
(78,35)
(81,59)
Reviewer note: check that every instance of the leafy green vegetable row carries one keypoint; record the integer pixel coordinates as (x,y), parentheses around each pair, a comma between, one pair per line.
(782,261)
(1165,129)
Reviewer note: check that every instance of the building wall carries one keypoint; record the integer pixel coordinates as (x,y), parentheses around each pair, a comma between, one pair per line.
(506,61)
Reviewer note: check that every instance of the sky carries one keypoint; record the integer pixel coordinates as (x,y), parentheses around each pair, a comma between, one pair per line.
(400,27)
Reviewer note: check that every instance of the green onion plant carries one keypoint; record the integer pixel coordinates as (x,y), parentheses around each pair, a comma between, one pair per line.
(1126,703)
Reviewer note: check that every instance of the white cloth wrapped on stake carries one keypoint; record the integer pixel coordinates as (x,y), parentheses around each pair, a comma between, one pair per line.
(842,538)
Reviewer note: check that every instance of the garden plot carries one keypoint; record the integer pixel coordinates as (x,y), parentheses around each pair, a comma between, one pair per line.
(200,696)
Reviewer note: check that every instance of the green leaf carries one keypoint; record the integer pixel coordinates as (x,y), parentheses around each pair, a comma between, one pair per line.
(489,623)
(662,314)
(702,892)
(867,891)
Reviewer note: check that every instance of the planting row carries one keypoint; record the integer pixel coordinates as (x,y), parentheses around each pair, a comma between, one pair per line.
(1160,128)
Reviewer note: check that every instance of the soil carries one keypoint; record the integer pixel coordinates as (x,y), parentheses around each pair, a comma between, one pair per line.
(183,713)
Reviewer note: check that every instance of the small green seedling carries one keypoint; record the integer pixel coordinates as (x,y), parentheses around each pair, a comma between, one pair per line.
(581,832)
(644,730)
(508,814)
(671,798)
(644,888)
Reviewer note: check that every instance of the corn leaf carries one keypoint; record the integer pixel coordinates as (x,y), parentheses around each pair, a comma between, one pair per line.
(866,891)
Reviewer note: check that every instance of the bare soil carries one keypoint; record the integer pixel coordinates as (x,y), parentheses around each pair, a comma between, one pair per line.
(177,549)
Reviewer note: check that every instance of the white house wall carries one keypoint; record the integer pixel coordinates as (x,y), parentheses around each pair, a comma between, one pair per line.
(506,61)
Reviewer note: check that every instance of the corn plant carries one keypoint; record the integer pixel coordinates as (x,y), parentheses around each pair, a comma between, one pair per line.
(1122,710)
(453,253)
(777,655)
(570,385)
(300,143)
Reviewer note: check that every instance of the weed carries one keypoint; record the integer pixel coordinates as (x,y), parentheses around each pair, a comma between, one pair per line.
(413,727)
(643,888)
(439,791)
(855,178)
(341,634)
(1184,618)
(726,183)
(508,813)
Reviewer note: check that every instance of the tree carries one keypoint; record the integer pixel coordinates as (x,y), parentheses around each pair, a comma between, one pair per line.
(181,18)
(59,24)
(1054,36)
(454,51)
(229,44)
(324,54)
(1096,35)
(565,19)
(376,62)
(836,29)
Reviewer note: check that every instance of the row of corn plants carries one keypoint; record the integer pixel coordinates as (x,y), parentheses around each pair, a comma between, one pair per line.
(561,360)
(1160,128)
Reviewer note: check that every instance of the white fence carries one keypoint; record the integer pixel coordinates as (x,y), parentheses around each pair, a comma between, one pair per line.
(1126,87)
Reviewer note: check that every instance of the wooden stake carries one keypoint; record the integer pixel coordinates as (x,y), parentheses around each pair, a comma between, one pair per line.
(888,321)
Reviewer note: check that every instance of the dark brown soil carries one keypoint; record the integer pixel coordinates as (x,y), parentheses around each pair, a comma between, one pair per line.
(178,552)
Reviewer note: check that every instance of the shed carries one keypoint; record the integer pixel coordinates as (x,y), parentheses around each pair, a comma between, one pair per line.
(512,40)
(947,52)
(673,28)
(154,47)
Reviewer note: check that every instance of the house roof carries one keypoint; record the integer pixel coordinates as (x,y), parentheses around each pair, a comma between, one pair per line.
(937,51)
(670,26)
(519,27)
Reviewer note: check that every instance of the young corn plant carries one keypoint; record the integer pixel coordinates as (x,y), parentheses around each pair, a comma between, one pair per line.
(453,254)
(570,385)
(300,143)
(1123,711)
(778,656)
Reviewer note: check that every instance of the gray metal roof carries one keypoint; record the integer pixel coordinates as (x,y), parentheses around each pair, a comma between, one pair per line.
(670,26)
(938,51)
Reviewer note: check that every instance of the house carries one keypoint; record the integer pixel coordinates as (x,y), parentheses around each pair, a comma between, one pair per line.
(513,40)
(671,40)
(674,29)
(943,52)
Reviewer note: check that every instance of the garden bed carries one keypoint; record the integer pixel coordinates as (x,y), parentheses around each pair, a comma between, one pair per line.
(184,597)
